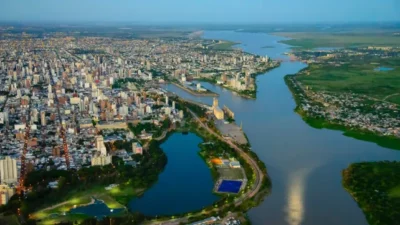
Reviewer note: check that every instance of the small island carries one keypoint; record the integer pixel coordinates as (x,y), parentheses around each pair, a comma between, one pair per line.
(375,186)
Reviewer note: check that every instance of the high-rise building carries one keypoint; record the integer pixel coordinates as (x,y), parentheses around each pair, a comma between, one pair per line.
(218,113)
(101,160)
(6,192)
(166,100)
(123,110)
(167,111)
(1,118)
(100,145)
(56,151)
(8,170)
(148,65)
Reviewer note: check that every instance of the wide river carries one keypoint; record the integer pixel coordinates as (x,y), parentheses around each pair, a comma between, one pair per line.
(304,163)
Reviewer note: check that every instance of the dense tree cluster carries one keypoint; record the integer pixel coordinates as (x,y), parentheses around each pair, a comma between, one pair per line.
(373,186)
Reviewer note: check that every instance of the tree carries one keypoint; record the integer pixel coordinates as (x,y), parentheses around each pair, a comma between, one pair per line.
(61,182)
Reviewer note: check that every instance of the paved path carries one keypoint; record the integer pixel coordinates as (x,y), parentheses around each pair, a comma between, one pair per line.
(384,99)
(163,135)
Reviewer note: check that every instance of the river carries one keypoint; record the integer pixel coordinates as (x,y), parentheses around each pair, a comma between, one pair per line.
(304,163)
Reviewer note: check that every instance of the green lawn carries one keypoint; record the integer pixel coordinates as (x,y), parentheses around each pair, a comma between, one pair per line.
(114,198)
(356,77)
(317,39)
(394,99)
(395,192)
(51,220)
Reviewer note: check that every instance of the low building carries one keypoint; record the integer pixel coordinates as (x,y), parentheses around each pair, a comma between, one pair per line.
(53,185)
(234,164)
(137,148)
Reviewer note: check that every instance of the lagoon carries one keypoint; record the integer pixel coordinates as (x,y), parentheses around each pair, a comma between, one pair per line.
(97,209)
(185,185)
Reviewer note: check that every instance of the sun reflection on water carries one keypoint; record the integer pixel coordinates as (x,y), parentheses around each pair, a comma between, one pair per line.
(295,205)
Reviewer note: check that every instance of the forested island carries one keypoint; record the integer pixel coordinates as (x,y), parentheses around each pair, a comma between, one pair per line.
(375,186)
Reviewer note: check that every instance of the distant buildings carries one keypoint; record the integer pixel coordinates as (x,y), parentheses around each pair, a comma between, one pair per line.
(8,170)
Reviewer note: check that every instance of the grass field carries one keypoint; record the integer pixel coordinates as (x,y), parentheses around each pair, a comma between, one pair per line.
(356,77)
(394,99)
(395,192)
(318,39)
(230,173)
(114,198)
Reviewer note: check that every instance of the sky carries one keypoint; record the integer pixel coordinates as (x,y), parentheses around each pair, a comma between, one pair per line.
(208,11)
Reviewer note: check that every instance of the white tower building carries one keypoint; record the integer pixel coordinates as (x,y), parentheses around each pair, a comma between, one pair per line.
(8,170)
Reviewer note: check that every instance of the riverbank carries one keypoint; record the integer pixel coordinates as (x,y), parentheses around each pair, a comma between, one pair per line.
(354,132)
(375,186)
(249,94)
(195,93)
(222,45)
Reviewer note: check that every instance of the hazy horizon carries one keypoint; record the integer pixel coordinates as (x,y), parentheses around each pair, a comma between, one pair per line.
(205,11)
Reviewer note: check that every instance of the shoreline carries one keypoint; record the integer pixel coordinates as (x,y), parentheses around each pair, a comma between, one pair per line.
(378,201)
(390,142)
(253,94)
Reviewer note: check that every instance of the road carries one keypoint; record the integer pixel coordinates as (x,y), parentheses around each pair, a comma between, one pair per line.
(163,135)
(385,98)
(259,176)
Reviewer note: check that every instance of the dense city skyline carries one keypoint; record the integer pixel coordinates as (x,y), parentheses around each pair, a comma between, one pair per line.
(234,11)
